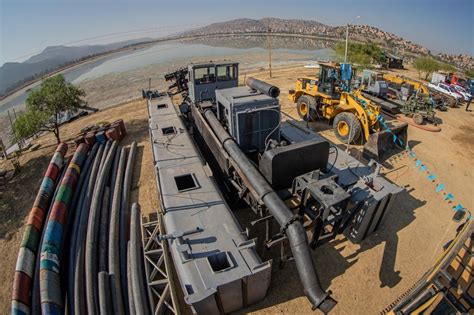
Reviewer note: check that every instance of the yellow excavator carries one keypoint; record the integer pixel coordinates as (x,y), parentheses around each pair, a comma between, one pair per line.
(354,117)
(400,80)
(440,101)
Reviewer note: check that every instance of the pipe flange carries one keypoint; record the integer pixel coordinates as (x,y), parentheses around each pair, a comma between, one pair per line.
(290,221)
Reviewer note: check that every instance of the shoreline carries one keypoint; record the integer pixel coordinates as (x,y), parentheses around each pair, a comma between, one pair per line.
(30,84)
(117,88)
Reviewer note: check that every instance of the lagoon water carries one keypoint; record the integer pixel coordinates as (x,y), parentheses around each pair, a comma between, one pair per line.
(166,52)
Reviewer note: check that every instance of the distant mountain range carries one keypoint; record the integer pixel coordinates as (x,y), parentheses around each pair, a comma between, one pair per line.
(16,74)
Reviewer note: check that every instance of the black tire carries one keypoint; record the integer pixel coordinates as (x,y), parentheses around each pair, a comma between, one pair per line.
(347,127)
(306,103)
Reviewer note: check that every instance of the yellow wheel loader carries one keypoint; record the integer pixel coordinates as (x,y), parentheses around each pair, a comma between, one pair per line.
(354,117)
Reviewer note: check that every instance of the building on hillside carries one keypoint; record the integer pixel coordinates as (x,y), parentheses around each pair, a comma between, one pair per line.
(392,61)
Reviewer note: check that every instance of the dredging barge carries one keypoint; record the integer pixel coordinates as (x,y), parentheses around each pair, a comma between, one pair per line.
(227,144)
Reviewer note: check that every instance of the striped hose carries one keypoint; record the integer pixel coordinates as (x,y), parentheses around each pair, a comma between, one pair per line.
(51,251)
(22,284)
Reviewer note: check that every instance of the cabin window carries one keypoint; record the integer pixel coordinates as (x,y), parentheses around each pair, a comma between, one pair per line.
(160,106)
(204,75)
(226,73)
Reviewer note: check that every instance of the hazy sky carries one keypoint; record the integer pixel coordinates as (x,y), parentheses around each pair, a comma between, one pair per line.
(28,26)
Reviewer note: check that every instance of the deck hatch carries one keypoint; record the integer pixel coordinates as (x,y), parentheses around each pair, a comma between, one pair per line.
(186,182)
(168,131)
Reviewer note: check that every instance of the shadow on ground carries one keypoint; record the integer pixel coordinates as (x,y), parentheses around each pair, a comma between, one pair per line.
(16,197)
(329,260)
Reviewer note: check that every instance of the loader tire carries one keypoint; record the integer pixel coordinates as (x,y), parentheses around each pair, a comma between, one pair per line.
(304,104)
(347,127)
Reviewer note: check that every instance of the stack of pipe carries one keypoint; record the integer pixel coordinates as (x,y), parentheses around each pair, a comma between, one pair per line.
(94,276)
(51,249)
(25,266)
(83,266)
(114,132)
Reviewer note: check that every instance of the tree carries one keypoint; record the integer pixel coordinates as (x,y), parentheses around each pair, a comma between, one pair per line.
(362,54)
(45,106)
(426,65)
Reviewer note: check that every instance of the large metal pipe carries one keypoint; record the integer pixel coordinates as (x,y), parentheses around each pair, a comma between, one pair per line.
(290,224)
(79,246)
(35,294)
(114,234)
(25,266)
(51,250)
(140,294)
(125,219)
(263,87)
(91,250)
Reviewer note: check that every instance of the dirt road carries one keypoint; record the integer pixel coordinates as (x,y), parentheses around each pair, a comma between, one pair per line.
(363,278)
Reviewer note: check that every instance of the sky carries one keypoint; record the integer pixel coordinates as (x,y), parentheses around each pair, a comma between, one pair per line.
(28,26)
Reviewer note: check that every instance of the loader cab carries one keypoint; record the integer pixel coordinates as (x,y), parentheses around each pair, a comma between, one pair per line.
(205,78)
(334,78)
(374,83)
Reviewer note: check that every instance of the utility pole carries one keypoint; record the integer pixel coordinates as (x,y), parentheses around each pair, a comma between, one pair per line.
(269,51)
(347,36)
(347,42)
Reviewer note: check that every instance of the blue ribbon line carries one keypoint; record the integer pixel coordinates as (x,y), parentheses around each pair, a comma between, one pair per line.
(440,187)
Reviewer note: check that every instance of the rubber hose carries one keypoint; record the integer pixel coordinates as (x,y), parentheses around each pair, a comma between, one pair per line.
(140,294)
(105,304)
(79,286)
(72,235)
(91,248)
(114,261)
(131,303)
(104,230)
(124,221)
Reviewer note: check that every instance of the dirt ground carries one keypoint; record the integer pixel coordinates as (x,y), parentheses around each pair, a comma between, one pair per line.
(363,278)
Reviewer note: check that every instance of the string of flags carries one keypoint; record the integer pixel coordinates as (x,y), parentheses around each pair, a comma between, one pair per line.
(440,187)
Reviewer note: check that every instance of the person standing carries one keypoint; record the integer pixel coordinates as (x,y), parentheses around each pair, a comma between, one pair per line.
(468,103)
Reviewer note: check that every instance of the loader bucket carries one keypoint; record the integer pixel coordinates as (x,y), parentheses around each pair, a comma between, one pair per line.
(381,145)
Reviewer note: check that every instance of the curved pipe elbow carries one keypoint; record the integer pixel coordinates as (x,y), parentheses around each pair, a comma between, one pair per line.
(306,270)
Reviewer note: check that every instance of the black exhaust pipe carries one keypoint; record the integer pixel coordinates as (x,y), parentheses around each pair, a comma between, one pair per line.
(263,87)
(289,223)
